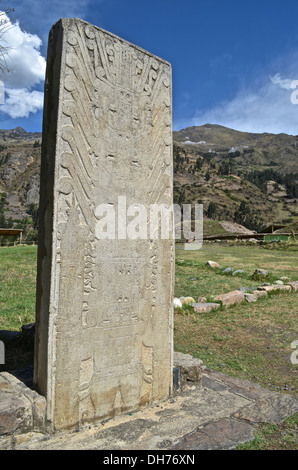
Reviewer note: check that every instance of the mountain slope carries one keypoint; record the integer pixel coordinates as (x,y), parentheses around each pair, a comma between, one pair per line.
(247,149)
(249,179)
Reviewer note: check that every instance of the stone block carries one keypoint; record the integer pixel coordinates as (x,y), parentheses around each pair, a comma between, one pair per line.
(104,289)
(213,264)
(190,368)
(250,297)
(203,307)
(21,409)
(260,293)
(294,285)
(230,298)
(273,288)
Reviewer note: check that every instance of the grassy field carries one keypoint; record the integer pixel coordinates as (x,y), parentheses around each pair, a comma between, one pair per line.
(17,286)
(251,341)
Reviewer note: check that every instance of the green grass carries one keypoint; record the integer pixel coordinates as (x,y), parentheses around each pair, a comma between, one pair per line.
(250,341)
(273,437)
(191,264)
(17,286)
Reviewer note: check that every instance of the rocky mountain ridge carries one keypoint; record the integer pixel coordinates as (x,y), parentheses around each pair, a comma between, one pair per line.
(213,165)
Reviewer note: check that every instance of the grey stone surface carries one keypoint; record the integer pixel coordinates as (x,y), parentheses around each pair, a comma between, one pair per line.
(190,368)
(223,434)
(273,287)
(251,297)
(202,307)
(218,412)
(21,409)
(294,285)
(237,272)
(104,306)
(230,298)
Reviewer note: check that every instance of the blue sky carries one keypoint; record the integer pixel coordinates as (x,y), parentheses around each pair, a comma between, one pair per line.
(233,62)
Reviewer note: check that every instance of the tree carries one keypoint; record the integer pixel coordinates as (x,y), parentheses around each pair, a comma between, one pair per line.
(212,210)
(246,217)
(5,25)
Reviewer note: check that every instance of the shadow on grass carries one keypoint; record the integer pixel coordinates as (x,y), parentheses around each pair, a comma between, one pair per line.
(19,353)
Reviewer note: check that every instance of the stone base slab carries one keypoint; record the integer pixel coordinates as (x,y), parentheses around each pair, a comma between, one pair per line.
(21,409)
(218,412)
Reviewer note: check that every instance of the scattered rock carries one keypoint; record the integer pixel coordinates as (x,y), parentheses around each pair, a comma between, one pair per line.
(238,271)
(279,282)
(260,293)
(213,264)
(202,300)
(247,289)
(250,297)
(230,298)
(275,287)
(259,274)
(293,285)
(203,307)
(187,301)
(193,279)
(227,270)
(177,303)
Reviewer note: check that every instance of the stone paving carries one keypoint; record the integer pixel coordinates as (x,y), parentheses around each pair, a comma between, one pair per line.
(215,412)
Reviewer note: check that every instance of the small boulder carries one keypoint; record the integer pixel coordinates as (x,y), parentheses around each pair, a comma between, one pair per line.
(204,307)
(213,264)
(237,272)
(259,274)
(260,293)
(187,301)
(250,297)
(293,285)
(230,298)
(227,270)
(177,303)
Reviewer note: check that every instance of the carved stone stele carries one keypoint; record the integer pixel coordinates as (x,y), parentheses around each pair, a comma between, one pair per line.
(104,305)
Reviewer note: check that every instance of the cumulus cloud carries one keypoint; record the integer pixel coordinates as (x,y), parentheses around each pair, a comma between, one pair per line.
(266,109)
(20,102)
(24,69)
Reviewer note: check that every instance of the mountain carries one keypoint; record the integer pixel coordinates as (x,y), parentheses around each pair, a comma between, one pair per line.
(246,149)
(244,178)
(19,170)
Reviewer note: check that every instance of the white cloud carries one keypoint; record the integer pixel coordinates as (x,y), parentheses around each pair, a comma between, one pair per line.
(24,61)
(21,102)
(282,82)
(26,69)
(267,109)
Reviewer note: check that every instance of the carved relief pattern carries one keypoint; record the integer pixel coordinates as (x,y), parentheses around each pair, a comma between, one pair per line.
(115,131)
